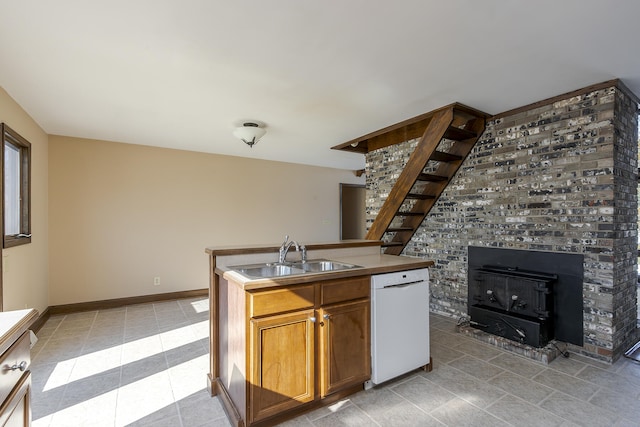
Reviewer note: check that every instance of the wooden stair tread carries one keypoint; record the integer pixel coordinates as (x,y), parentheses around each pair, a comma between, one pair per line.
(391,244)
(432,178)
(441,156)
(458,134)
(397,229)
(411,214)
(420,196)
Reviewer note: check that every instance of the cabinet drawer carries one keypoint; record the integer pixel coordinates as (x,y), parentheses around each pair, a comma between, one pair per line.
(281,300)
(14,356)
(339,290)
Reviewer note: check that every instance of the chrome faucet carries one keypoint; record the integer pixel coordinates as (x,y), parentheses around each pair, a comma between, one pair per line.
(284,249)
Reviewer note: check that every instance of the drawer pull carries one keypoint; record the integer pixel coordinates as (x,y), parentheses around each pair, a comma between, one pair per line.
(22,366)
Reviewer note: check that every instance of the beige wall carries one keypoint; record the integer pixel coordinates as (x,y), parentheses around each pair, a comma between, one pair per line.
(122,214)
(25,273)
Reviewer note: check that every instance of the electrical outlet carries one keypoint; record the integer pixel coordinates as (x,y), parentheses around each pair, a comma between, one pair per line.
(156,281)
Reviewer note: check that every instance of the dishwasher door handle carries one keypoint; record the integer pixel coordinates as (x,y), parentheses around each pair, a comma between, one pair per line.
(403,285)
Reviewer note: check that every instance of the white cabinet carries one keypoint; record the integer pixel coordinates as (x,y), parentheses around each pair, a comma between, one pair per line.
(15,361)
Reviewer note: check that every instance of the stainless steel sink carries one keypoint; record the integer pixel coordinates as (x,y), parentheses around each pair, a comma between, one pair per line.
(270,270)
(267,270)
(319,265)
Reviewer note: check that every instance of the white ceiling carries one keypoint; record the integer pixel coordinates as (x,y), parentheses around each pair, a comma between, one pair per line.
(184,73)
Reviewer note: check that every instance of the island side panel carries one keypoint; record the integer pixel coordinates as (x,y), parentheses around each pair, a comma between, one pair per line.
(233,350)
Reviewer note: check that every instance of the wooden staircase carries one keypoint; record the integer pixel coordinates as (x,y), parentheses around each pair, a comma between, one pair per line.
(447,137)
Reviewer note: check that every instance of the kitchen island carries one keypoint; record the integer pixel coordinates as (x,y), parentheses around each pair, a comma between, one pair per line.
(281,346)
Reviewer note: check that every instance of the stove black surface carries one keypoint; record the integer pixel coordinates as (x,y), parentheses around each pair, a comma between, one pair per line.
(511,296)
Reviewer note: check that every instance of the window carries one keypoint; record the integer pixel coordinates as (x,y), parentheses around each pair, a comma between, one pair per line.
(16,172)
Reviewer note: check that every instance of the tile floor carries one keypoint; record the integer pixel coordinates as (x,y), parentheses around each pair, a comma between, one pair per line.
(146,365)
(140,365)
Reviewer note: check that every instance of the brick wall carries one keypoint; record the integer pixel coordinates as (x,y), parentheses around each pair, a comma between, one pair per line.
(558,177)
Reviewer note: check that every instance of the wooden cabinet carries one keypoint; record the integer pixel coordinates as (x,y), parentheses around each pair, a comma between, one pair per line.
(282,361)
(344,346)
(288,349)
(345,349)
(286,326)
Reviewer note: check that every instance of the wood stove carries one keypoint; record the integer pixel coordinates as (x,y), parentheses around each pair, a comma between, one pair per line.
(526,296)
(513,303)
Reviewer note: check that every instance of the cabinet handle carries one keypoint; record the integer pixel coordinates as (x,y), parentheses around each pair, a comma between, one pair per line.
(326,316)
(313,319)
(22,366)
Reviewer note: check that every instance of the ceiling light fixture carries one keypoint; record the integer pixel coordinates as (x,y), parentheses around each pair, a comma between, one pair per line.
(250,133)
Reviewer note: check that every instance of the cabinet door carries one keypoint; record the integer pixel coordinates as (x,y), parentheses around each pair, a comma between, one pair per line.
(281,363)
(16,409)
(345,346)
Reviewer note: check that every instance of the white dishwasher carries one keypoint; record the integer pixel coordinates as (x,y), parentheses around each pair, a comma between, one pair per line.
(399,324)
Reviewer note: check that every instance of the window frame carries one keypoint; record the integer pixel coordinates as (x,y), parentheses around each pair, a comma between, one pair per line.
(24,235)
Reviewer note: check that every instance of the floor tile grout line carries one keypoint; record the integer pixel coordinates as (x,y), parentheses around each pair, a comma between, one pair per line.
(520,375)
(498,400)
(472,404)
(84,344)
(120,384)
(539,404)
(462,397)
(411,403)
(598,387)
(583,401)
(604,372)
(166,361)
(502,370)
(364,412)
(548,397)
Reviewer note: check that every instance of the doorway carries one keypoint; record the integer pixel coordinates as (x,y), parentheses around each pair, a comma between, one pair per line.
(352,211)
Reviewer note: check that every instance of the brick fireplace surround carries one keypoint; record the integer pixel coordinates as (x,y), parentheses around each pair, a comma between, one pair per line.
(559,175)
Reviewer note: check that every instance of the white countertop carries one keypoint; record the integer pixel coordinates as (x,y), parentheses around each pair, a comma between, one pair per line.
(13,324)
